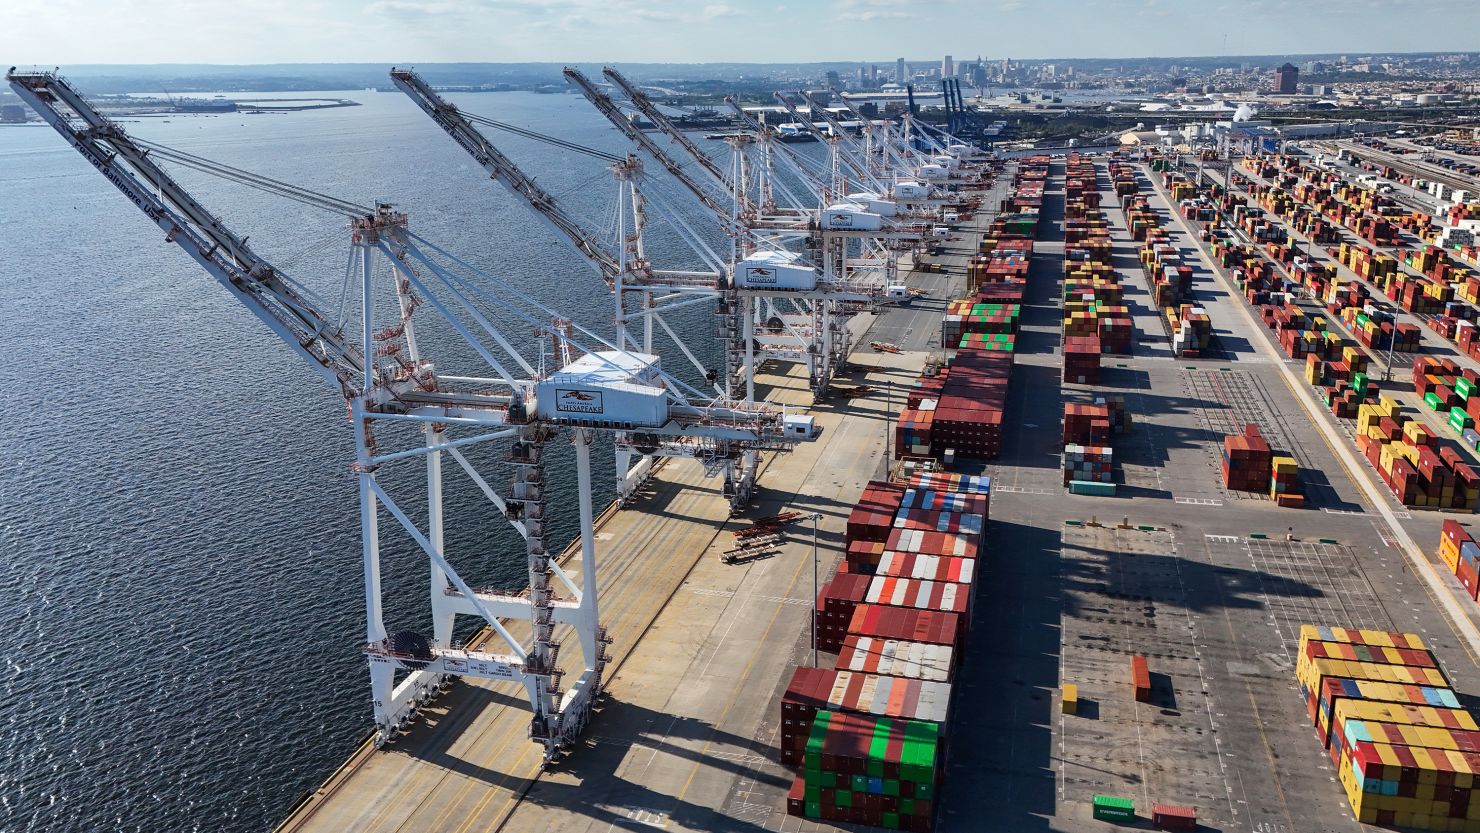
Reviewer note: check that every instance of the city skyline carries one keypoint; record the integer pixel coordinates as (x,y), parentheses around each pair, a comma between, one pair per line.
(734,31)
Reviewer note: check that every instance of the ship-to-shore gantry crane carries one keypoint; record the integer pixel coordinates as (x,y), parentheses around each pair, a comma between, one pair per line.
(406,298)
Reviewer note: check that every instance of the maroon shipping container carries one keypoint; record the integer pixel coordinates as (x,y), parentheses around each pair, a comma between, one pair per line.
(874,513)
(835,603)
(889,622)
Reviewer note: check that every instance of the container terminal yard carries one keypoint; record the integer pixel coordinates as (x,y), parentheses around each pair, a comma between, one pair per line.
(1050,555)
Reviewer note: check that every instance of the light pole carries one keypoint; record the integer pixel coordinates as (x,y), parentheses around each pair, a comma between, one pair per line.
(816,516)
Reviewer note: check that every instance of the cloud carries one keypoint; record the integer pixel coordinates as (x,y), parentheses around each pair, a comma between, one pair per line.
(865,10)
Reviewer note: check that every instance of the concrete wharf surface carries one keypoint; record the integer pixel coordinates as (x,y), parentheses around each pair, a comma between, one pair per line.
(1211,592)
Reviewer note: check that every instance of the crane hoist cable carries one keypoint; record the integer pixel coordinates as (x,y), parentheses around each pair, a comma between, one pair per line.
(253,180)
(541,137)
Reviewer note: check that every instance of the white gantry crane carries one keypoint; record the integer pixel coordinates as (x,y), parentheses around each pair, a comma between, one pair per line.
(792,306)
(641,293)
(403,295)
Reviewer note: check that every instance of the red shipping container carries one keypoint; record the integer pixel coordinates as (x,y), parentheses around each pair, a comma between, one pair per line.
(1140,679)
(1169,817)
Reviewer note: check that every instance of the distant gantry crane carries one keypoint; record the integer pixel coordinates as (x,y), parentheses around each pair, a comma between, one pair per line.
(789,305)
(405,294)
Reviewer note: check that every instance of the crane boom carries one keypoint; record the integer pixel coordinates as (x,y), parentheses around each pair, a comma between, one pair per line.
(854,170)
(646,106)
(765,134)
(250,278)
(603,103)
(503,170)
(832,122)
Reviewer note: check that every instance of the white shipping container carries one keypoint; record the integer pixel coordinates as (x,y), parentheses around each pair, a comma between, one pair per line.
(899,658)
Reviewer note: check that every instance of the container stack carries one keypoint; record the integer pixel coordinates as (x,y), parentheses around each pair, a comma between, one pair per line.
(907,601)
(1089,469)
(1082,360)
(812,690)
(1405,751)
(1461,556)
(912,430)
(1188,325)
(1408,458)
(1247,461)
(864,771)
(968,414)
(1284,484)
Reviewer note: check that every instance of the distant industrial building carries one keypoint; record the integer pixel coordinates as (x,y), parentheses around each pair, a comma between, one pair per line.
(1285,79)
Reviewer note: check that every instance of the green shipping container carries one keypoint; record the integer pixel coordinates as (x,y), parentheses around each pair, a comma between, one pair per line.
(1433,401)
(1463,387)
(1090,487)
(1459,420)
(1114,808)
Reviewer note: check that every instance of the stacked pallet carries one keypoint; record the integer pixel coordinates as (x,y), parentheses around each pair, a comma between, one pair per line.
(907,601)
(1406,754)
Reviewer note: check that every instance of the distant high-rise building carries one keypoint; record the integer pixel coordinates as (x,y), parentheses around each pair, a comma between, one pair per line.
(833,82)
(947,67)
(1285,79)
(899,70)
(873,75)
(862,76)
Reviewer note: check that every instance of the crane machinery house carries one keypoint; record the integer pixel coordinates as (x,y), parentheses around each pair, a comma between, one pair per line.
(775,270)
(850,216)
(905,190)
(930,171)
(875,203)
(607,387)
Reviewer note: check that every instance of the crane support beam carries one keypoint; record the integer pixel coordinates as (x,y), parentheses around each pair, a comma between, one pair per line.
(604,104)
(503,170)
(659,119)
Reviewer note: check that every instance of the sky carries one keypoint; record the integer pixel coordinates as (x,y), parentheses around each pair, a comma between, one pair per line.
(59,32)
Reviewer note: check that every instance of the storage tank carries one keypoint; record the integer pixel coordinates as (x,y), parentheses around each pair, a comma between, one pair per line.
(846,216)
(775,270)
(607,387)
